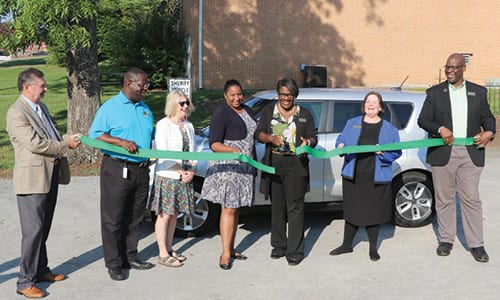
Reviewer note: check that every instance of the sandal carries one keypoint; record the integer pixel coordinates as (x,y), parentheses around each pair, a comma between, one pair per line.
(239,256)
(178,256)
(169,261)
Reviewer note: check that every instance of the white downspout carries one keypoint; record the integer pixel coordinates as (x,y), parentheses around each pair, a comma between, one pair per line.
(200,44)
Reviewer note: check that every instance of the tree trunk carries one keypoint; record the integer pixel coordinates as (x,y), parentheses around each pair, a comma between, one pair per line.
(84,92)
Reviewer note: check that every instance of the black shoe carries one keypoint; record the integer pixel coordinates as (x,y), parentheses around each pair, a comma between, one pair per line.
(374,256)
(444,249)
(140,265)
(480,254)
(294,261)
(239,256)
(116,273)
(226,266)
(276,255)
(340,250)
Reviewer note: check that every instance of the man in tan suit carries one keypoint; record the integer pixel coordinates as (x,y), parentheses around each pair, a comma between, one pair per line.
(40,166)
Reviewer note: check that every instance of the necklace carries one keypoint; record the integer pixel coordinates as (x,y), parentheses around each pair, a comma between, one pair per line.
(286,114)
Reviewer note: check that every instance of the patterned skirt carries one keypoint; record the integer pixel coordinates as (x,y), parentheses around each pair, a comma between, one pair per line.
(229,183)
(171,195)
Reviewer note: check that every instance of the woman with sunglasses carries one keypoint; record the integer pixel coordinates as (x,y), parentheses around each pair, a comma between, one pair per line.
(173,182)
(231,182)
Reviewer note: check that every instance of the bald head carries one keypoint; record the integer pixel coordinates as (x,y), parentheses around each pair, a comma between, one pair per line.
(454,69)
(458,57)
(135,84)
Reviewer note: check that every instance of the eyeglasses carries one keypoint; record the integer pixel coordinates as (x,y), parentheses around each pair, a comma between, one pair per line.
(42,86)
(182,103)
(284,96)
(143,86)
(453,68)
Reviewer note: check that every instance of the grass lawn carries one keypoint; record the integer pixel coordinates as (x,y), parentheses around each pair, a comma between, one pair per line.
(56,100)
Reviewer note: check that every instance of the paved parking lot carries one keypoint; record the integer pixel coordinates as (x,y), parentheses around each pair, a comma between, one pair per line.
(408,269)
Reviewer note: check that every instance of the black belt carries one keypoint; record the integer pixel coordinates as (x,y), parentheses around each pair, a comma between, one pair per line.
(141,164)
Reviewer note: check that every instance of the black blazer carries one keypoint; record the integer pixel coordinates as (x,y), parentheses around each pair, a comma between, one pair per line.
(305,128)
(436,112)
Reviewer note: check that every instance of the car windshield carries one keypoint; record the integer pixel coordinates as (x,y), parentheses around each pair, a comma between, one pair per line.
(257,104)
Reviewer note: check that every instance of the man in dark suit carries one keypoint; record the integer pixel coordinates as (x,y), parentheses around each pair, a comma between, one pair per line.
(458,108)
(40,166)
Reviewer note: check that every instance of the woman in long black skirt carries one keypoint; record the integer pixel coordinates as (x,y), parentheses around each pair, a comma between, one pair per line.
(366,177)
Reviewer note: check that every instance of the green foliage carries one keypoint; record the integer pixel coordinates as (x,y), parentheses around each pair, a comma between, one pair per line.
(140,33)
(494,100)
(58,23)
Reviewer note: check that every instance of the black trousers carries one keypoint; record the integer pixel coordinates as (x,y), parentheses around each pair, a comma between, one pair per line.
(287,206)
(35,214)
(123,203)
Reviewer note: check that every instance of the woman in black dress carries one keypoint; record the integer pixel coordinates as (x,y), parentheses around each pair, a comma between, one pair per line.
(366,177)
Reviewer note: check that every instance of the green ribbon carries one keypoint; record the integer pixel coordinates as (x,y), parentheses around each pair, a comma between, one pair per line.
(149,153)
(385,147)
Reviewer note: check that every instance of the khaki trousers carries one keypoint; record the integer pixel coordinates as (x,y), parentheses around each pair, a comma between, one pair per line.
(460,176)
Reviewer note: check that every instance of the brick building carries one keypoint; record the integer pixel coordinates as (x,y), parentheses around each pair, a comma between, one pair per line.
(360,42)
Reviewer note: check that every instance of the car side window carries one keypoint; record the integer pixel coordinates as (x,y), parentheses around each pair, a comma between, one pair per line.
(387,114)
(401,114)
(257,104)
(315,107)
(343,111)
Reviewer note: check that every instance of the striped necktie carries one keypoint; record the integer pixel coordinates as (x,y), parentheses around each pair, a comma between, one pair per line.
(45,123)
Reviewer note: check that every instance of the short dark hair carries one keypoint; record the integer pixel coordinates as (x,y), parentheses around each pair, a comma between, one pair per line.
(380,102)
(132,74)
(290,84)
(28,76)
(230,83)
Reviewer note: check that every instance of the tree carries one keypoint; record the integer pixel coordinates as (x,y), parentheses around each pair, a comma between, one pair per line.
(69,25)
(145,34)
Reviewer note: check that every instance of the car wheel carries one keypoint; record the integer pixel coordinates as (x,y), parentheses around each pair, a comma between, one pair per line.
(202,219)
(413,195)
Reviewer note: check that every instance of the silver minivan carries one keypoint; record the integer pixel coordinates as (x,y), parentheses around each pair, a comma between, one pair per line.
(331,108)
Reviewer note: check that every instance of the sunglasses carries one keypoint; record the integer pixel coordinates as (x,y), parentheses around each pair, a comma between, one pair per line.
(182,103)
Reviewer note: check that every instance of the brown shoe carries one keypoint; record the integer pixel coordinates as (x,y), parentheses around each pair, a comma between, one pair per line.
(31,292)
(49,277)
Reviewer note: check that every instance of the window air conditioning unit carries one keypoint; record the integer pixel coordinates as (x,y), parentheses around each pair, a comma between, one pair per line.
(314,76)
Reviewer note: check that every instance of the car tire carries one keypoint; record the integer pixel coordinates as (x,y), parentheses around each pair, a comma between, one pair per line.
(413,195)
(202,219)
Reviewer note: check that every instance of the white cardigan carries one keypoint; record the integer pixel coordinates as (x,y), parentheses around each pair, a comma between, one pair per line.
(168,136)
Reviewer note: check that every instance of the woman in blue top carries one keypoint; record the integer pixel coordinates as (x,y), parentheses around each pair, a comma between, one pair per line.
(366,177)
